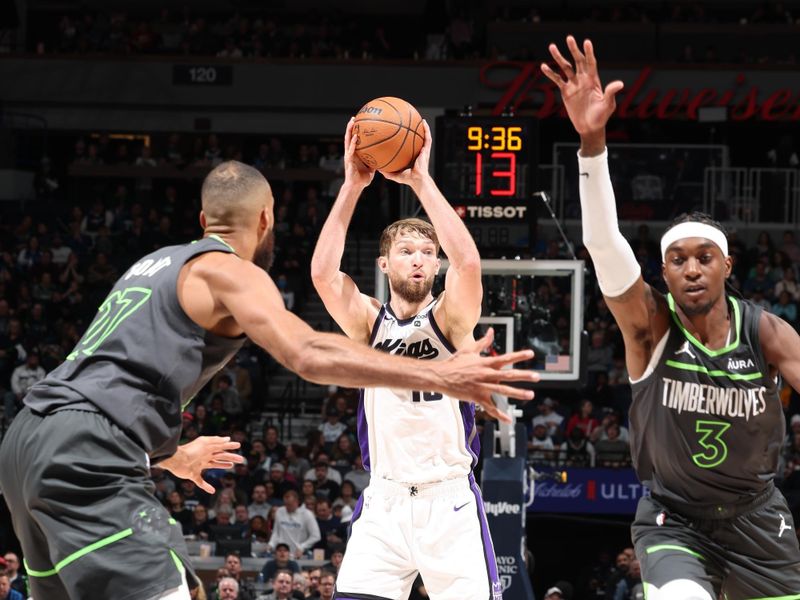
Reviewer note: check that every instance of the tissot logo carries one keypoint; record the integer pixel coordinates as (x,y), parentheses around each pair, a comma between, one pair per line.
(735,364)
(491,212)
(502,508)
(423,349)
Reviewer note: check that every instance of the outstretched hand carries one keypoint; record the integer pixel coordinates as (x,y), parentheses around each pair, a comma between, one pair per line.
(416,173)
(472,377)
(205,452)
(588,104)
(355,171)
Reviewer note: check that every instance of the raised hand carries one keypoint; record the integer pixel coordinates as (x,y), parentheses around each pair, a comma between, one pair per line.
(472,377)
(416,174)
(355,171)
(205,452)
(588,104)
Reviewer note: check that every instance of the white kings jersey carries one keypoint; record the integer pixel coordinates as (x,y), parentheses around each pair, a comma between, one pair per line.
(415,436)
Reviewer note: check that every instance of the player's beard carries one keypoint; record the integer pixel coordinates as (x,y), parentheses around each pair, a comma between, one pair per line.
(409,290)
(265,252)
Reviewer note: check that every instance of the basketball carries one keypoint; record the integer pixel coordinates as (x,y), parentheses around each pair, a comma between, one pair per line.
(389,134)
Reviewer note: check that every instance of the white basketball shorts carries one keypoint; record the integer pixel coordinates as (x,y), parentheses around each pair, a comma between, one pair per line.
(437,529)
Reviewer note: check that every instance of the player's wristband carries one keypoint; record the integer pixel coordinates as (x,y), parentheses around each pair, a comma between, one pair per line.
(614,262)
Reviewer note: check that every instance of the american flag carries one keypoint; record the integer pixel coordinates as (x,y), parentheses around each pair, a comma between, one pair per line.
(556,362)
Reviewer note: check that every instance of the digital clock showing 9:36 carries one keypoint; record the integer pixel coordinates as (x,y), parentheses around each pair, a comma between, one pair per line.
(485,167)
(487,159)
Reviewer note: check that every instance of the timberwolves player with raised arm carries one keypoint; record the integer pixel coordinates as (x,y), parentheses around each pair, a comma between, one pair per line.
(706,422)
(422,511)
(74,464)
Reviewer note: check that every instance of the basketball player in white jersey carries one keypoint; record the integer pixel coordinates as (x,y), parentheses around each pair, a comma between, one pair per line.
(422,511)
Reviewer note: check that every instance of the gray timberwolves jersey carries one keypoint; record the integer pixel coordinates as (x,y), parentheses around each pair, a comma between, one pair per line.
(142,359)
(415,436)
(707,425)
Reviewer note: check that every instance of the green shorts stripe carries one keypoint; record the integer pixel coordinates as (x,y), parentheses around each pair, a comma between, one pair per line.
(662,547)
(78,554)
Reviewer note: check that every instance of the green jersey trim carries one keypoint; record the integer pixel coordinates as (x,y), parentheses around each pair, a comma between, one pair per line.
(178,562)
(695,341)
(78,554)
(713,373)
(792,597)
(663,547)
(221,241)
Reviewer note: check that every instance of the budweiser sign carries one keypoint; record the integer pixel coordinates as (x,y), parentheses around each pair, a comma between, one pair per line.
(523,86)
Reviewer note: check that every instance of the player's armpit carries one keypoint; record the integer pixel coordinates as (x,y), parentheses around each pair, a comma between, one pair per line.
(642,315)
(353,311)
(780,344)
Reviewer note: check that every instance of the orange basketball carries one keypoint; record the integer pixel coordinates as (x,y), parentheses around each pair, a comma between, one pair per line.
(389,134)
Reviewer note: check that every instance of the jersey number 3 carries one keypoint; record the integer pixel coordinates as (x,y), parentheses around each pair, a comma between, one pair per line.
(117,307)
(715,450)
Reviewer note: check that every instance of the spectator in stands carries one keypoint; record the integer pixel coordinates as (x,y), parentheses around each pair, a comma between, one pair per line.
(296,462)
(583,419)
(310,502)
(632,579)
(259,530)
(332,161)
(179,512)
(18,581)
(786,308)
(274,449)
(228,589)
(347,495)
(336,557)
(600,356)
(241,517)
(22,378)
(314,576)
(282,560)
(612,451)
(199,525)
(549,418)
(358,476)
(577,450)
(325,481)
(259,506)
(300,585)
(554,593)
(332,428)
(758,281)
(231,403)
(788,283)
(201,421)
(330,527)
(343,453)
(192,495)
(295,526)
(277,475)
(600,433)
(282,588)
(540,446)
(6,593)
(228,493)
(233,563)
(327,582)
(286,292)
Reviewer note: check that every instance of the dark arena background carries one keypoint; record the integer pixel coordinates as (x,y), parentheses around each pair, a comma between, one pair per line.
(113,112)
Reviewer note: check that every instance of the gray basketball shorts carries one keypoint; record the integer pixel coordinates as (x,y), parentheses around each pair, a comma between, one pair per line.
(752,554)
(83,508)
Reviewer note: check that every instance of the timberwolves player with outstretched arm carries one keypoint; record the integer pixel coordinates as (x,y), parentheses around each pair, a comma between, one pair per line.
(74,464)
(422,511)
(706,422)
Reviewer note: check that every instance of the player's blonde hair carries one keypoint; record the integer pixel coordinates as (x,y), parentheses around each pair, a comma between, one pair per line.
(419,226)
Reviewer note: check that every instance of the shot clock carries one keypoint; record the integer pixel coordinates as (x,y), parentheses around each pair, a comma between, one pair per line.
(485,167)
